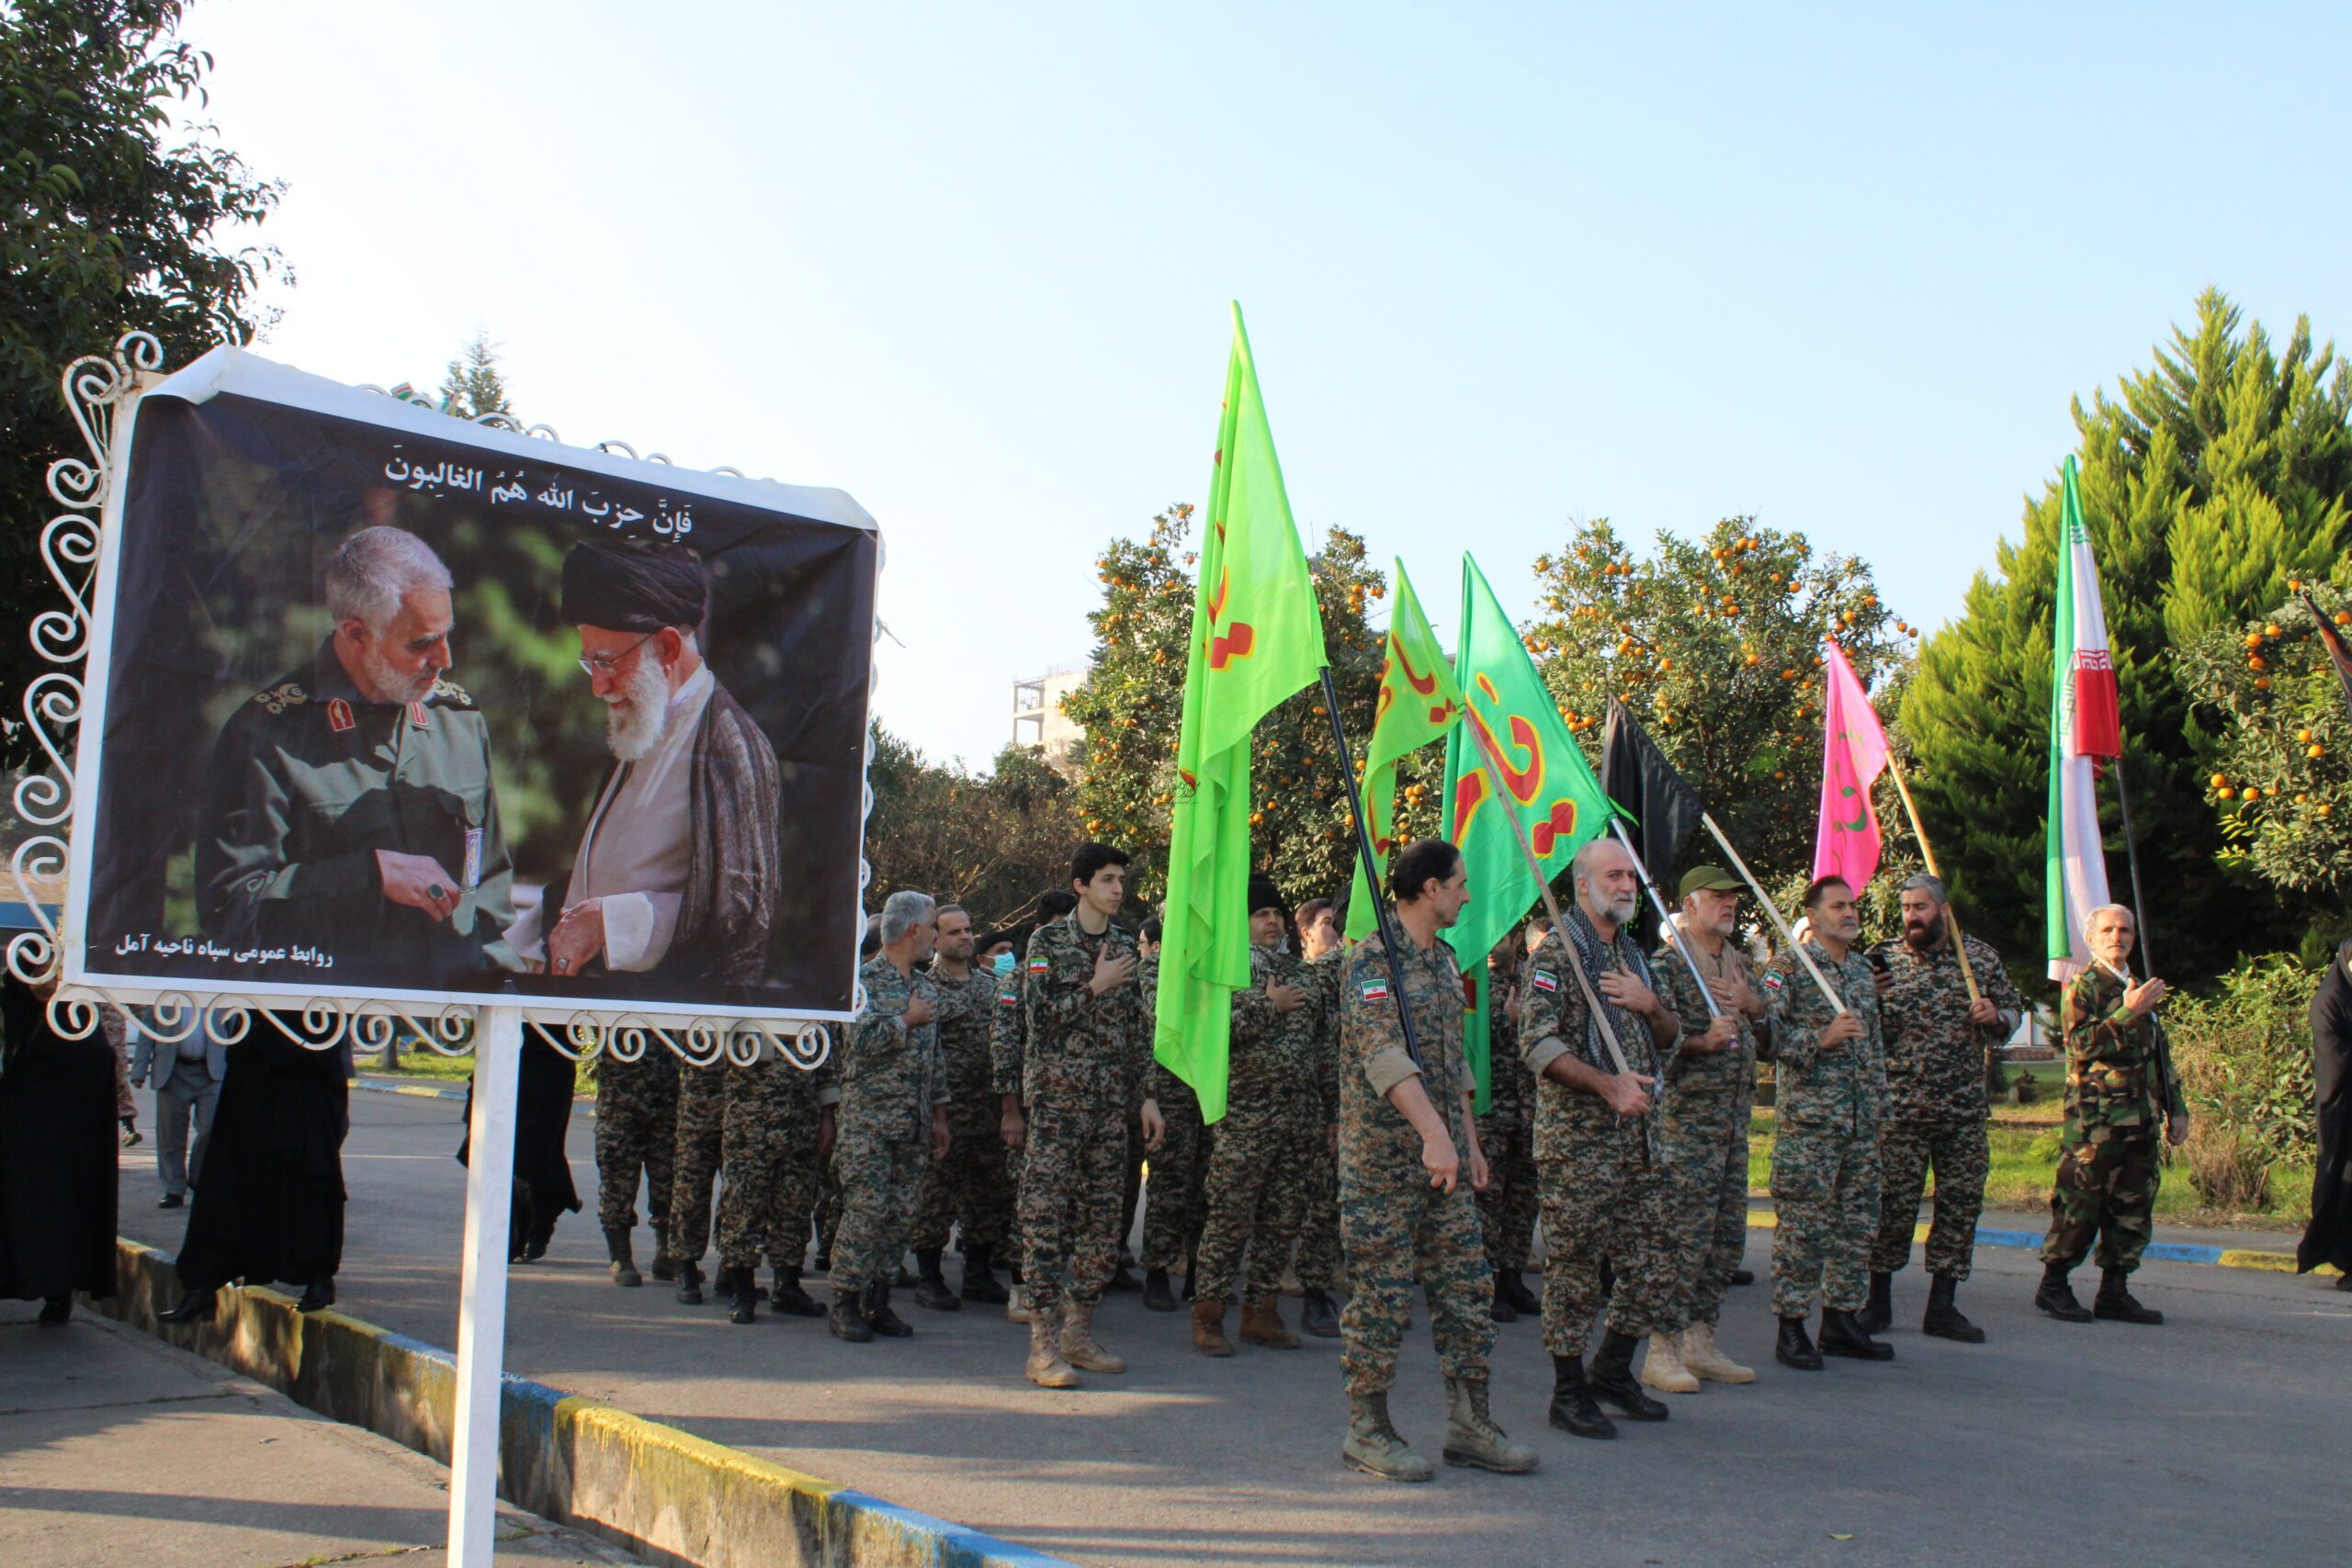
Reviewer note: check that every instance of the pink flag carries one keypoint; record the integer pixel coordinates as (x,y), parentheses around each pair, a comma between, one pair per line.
(1853,754)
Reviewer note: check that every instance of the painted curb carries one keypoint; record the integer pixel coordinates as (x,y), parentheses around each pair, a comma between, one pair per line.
(665,1495)
(2162,1251)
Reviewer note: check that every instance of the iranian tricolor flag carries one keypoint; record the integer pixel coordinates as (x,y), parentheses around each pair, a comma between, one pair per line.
(2085,729)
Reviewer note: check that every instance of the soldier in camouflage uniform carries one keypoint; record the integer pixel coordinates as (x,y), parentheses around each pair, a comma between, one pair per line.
(1260,1169)
(693,1168)
(971,1187)
(1597,1152)
(637,1132)
(1702,1127)
(1180,1165)
(1319,1265)
(774,1135)
(1407,1141)
(1086,1031)
(1830,1072)
(2119,1083)
(1008,1067)
(1507,1132)
(1936,1042)
(893,1120)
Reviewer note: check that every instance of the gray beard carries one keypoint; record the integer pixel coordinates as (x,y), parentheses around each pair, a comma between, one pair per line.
(633,725)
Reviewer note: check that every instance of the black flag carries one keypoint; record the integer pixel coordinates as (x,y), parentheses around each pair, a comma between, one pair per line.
(1639,778)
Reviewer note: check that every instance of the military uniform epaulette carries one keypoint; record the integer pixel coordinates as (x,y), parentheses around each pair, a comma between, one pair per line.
(278,699)
(450,695)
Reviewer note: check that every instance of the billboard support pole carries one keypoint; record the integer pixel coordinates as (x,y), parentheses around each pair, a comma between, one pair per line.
(482,1290)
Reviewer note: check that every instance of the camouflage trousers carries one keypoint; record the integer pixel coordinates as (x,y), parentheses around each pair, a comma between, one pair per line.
(1824,1192)
(972,1188)
(1398,1231)
(1507,1208)
(637,1135)
(1602,1200)
(1256,1194)
(1070,1188)
(768,1151)
(702,1126)
(1961,1154)
(1175,1194)
(881,1180)
(1319,1233)
(1702,1135)
(2107,1191)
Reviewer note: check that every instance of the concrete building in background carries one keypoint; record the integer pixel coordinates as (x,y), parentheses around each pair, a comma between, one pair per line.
(1037,716)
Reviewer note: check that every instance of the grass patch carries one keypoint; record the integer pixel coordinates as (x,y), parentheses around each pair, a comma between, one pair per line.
(2025,1164)
(424,1064)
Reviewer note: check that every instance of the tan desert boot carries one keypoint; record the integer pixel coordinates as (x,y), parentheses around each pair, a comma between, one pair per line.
(1047,1368)
(1704,1357)
(1079,1347)
(1663,1369)
(1471,1436)
(1208,1329)
(1373,1445)
(1016,1304)
(1262,1324)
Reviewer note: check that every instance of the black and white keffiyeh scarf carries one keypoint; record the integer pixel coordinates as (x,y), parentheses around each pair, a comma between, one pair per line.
(1633,1034)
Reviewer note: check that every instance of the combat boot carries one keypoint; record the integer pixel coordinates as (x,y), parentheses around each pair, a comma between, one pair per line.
(1841,1335)
(624,1265)
(875,1309)
(1944,1320)
(1573,1409)
(979,1281)
(1373,1445)
(1663,1369)
(1705,1358)
(1262,1324)
(1016,1304)
(690,1284)
(788,1298)
(931,1286)
(2116,1302)
(1612,1381)
(1079,1346)
(1878,1313)
(1501,1309)
(1208,1329)
(1047,1368)
(846,1321)
(745,1283)
(2056,1297)
(1156,1296)
(1797,1348)
(1471,1436)
(1316,1315)
(665,1268)
(1525,1302)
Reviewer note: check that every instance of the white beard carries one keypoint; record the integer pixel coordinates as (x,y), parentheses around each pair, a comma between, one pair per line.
(379,682)
(635,717)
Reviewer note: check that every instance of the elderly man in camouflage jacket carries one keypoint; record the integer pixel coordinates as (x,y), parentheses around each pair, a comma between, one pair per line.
(1936,1042)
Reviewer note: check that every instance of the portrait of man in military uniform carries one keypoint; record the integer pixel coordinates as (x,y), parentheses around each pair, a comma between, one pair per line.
(348,806)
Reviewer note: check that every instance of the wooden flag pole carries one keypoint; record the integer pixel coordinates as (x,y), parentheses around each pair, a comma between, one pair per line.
(1773,913)
(1675,938)
(1927,854)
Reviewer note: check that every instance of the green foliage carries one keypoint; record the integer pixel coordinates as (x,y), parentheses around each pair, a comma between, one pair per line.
(474,384)
(2214,478)
(991,842)
(2244,1052)
(1131,705)
(2280,778)
(1716,646)
(109,230)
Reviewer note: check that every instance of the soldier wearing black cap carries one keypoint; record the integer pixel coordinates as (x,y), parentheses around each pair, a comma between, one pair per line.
(676,878)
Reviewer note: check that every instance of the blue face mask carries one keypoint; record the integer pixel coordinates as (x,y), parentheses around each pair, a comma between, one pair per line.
(1004,964)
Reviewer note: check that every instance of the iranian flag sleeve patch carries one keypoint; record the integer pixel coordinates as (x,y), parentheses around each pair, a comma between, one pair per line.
(1376,991)
(1771,979)
(1545,980)
(1040,966)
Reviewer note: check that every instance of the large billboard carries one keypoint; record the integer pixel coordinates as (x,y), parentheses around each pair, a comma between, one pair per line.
(386,705)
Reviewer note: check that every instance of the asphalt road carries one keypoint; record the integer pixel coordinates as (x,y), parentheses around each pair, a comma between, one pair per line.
(2217,1438)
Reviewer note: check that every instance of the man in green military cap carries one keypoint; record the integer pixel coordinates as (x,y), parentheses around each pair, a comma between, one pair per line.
(348,807)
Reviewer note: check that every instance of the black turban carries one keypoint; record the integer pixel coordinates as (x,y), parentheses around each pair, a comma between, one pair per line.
(1265,894)
(634,586)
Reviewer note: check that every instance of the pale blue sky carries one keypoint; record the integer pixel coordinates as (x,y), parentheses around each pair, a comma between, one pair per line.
(1505,267)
